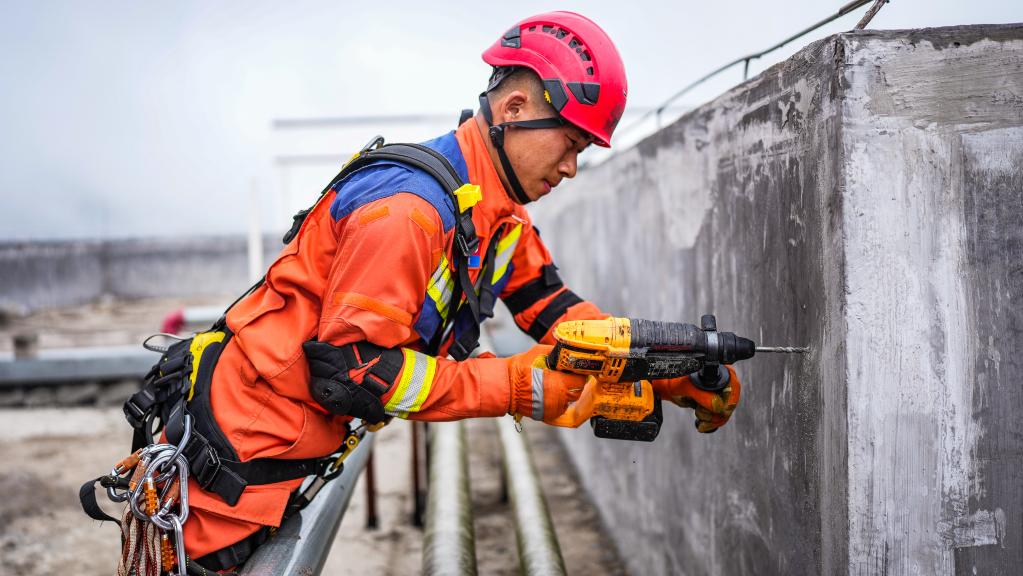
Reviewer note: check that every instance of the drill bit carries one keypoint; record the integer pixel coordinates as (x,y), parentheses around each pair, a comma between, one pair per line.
(783,349)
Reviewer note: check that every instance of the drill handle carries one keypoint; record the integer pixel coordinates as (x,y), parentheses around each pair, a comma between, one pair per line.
(712,378)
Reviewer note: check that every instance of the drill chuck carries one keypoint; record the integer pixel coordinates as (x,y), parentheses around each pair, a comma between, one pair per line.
(706,342)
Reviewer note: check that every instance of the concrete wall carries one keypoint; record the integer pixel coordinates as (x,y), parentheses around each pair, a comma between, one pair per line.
(862,198)
(46,274)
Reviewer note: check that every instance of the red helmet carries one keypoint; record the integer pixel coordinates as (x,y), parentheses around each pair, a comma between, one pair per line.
(580,67)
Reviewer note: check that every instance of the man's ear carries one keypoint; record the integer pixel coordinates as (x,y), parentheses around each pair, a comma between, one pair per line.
(512,106)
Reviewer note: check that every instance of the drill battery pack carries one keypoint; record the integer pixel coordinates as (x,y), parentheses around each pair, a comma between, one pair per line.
(644,430)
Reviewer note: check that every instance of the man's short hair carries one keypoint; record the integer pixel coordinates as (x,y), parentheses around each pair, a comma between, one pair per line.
(504,79)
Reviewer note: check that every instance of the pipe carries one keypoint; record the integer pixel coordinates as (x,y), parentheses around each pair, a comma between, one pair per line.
(303,542)
(449,545)
(417,491)
(539,552)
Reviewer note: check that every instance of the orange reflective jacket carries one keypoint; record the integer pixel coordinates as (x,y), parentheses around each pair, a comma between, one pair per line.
(372,271)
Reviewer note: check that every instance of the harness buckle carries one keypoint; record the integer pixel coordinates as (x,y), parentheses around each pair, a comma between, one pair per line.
(136,413)
(205,471)
(463,246)
(458,351)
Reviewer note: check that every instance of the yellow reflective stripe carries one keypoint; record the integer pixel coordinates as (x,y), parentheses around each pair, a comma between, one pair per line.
(414,386)
(441,294)
(441,271)
(505,250)
(440,286)
(424,390)
(403,382)
(438,299)
(509,239)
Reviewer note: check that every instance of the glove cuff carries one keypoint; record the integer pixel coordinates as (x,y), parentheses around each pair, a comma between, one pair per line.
(527,392)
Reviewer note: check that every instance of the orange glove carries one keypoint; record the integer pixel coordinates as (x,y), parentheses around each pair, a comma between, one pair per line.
(712,409)
(538,392)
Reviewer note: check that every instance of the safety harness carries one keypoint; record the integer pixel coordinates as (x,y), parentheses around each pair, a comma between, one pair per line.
(177,437)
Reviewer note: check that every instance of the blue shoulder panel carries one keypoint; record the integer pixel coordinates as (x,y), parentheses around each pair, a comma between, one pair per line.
(386,178)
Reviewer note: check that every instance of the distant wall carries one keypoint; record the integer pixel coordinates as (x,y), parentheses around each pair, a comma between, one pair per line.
(864,198)
(46,274)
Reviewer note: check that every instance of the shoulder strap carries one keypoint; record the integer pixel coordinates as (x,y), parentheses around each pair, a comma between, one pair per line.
(466,242)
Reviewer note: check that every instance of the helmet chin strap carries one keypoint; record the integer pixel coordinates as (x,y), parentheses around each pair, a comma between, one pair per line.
(497,138)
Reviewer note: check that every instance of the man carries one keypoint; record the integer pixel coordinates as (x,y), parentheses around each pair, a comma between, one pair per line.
(359,306)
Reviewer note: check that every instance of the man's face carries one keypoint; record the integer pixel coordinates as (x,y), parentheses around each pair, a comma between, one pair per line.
(542,157)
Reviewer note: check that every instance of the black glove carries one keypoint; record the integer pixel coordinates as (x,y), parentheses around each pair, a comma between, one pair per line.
(333,388)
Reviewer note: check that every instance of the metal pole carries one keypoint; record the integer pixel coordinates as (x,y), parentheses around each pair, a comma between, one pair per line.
(449,544)
(870,14)
(539,552)
(304,540)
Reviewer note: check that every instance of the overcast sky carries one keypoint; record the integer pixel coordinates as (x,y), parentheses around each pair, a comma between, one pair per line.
(142,118)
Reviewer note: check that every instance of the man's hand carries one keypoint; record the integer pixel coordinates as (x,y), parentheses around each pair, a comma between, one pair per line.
(537,392)
(712,409)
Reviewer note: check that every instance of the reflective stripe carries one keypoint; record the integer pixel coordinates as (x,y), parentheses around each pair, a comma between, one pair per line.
(537,393)
(505,251)
(414,385)
(440,287)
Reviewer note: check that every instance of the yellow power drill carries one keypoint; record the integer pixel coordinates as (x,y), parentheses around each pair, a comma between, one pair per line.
(622,355)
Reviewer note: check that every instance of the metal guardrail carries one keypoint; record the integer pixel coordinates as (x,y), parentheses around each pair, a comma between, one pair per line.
(539,552)
(449,543)
(58,366)
(303,542)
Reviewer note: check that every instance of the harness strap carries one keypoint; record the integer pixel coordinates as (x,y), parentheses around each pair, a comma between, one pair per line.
(466,242)
(487,296)
(228,478)
(87,497)
(480,306)
(235,554)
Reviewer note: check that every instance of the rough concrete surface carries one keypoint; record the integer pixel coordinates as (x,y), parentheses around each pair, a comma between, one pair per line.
(67,273)
(862,198)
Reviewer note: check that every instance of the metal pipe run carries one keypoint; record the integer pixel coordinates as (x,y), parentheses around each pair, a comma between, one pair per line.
(303,542)
(59,366)
(539,552)
(449,544)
